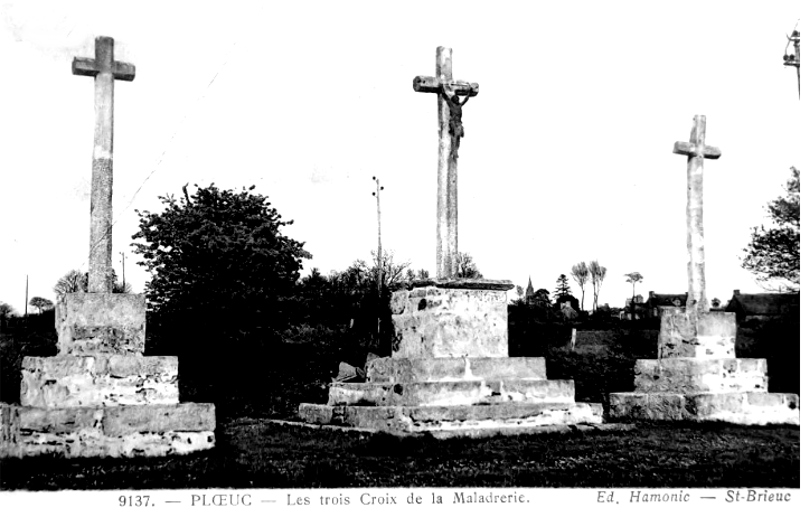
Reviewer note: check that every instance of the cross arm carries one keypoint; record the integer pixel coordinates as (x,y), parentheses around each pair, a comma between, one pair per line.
(87,66)
(690,149)
(429,84)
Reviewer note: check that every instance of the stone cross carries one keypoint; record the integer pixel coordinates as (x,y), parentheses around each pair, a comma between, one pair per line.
(696,150)
(105,70)
(447,208)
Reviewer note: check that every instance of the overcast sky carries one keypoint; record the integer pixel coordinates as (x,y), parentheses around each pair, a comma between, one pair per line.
(567,154)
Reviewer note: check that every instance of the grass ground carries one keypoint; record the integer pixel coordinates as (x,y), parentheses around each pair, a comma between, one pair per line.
(255,453)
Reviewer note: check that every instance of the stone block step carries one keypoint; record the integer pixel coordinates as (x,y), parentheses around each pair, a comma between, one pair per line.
(121,431)
(405,419)
(757,408)
(450,393)
(99,380)
(690,375)
(407,370)
(100,323)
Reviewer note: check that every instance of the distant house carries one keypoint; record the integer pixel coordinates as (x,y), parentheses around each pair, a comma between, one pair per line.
(762,306)
(657,300)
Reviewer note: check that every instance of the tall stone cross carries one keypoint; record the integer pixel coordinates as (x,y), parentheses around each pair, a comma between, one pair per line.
(105,70)
(450,132)
(696,150)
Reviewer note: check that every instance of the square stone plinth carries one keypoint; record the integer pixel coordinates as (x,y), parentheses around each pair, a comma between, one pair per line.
(433,321)
(90,323)
(708,335)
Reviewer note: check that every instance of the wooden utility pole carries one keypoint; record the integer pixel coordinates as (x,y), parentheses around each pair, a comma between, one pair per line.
(794,59)
(379,254)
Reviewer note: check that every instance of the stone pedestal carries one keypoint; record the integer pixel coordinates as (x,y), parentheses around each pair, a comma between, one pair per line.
(697,377)
(100,396)
(450,373)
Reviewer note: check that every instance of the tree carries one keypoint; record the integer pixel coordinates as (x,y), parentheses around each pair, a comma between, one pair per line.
(219,263)
(75,281)
(562,287)
(392,273)
(6,311)
(72,282)
(633,278)
(41,303)
(465,267)
(597,274)
(580,274)
(773,253)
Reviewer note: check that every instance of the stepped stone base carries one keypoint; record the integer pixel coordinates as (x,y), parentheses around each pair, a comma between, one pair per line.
(450,372)
(415,419)
(752,408)
(116,431)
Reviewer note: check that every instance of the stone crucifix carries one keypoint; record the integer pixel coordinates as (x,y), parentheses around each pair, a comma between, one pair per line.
(105,70)
(450,133)
(696,150)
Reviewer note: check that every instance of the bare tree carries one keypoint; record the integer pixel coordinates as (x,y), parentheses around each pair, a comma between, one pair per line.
(580,274)
(597,273)
(465,267)
(73,281)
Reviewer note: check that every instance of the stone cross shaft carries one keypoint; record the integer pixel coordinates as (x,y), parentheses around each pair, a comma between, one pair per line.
(105,70)
(696,150)
(447,206)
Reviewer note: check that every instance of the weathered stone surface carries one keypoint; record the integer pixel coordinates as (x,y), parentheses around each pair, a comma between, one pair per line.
(740,408)
(685,333)
(100,323)
(407,370)
(148,430)
(450,393)
(9,429)
(158,418)
(410,419)
(435,322)
(690,375)
(92,443)
(67,380)
(60,420)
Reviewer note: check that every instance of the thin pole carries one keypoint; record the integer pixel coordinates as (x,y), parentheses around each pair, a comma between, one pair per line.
(26,297)
(379,255)
(123,269)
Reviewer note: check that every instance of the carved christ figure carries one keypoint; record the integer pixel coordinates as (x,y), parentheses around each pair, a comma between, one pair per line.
(455,127)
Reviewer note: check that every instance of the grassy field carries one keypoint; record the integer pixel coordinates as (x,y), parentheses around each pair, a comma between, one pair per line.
(254,453)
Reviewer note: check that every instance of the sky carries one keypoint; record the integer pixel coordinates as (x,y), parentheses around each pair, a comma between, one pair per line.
(567,155)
